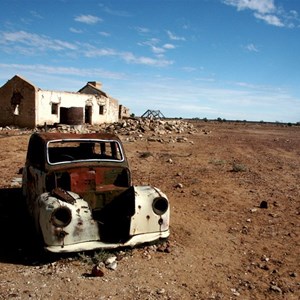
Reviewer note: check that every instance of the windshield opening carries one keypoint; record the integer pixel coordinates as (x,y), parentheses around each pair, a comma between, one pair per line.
(62,151)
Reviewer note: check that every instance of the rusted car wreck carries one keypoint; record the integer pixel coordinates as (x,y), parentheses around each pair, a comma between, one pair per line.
(79,191)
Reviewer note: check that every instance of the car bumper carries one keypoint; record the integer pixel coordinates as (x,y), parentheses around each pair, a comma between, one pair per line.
(93,245)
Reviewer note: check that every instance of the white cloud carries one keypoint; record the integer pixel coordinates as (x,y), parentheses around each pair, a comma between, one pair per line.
(96,52)
(36,14)
(261,6)
(270,19)
(128,57)
(40,42)
(41,70)
(153,44)
(169,46)
(142,30)
(251,47)
(74,30)
(118,13)
(211,99)
(157,50)
(103,33)
(142,60)
(267,11)
(32,44)
(174,37)
(88,19)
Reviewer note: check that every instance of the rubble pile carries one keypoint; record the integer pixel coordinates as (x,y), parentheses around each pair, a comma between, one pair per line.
(156,126)
(139,128)
(131,128)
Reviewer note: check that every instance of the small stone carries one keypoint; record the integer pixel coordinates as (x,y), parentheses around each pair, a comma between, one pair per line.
(179,185)
(265,258)
(263,204)
(264,267)
(110,260)
(293,274)
(97,271)
(235,292)
(168,249)
(161,248)
(112,266)
(160,291)
(275,288)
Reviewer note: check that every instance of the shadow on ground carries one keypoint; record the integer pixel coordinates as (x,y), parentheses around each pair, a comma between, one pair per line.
(19,243)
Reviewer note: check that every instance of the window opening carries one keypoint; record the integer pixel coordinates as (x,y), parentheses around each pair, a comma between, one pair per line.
(54,108)
(101,109)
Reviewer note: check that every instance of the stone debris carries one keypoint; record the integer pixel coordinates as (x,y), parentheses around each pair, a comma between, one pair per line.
(179,185)
(151,130)
(111,263)
(16,182)
(275,288)
(98,271)
(263,204)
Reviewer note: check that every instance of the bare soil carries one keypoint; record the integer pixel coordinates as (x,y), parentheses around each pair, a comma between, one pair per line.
(234,192)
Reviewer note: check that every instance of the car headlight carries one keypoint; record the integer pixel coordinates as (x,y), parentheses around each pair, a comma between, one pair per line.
(160,205)
(61,217)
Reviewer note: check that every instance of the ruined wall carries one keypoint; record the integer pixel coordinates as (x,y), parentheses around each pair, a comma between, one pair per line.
(96,109)
(17,100)
(124,112)
(113,110)
(24,105)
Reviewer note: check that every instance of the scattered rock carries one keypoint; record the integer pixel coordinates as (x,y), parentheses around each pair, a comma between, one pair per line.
(293,274)
(160,291)
(98,271)
(275,288)
(111,263)
(136,128)
(179,186)
(263,204)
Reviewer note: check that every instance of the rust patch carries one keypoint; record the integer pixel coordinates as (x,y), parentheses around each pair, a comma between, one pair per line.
(62,195)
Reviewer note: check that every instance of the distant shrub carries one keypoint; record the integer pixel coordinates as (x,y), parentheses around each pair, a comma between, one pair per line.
(94,258)
(145,154)
(217,162)
(238,167)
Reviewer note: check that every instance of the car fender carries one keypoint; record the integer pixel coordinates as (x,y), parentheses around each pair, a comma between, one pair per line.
(145,218)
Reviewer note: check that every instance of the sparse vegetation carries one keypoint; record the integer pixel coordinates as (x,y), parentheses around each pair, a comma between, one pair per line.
(238,167)
(94,257)
(145,154)
(217,162)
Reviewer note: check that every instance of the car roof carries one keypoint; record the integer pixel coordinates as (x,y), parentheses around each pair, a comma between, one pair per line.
(49,136)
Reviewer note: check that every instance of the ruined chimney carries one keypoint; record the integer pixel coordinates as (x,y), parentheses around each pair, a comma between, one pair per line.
(96,84)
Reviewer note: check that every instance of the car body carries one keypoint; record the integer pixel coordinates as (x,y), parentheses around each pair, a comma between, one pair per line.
(79,191)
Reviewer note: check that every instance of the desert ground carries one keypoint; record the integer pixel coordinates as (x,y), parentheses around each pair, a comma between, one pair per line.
(235,207)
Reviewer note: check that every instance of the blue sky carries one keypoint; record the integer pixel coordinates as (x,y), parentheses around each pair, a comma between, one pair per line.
(233,59)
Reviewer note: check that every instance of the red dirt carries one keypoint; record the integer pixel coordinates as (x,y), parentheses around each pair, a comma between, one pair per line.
(223,245)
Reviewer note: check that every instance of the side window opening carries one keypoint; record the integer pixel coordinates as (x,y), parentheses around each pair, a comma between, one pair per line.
(54,108)
(15,102)
(101,109)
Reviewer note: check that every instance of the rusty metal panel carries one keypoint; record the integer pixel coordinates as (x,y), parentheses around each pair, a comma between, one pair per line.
(83,203)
